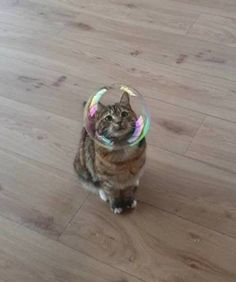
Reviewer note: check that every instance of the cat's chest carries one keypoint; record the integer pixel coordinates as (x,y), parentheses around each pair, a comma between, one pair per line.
(124,168)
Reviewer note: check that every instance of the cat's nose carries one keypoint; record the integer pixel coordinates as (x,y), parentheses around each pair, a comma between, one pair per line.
(118,125)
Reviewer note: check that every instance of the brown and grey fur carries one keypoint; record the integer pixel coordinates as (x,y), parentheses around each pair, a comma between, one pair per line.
(113,174)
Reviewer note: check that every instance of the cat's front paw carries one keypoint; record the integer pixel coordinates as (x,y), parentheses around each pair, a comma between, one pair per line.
(117,210)
(117,206)
(131,203)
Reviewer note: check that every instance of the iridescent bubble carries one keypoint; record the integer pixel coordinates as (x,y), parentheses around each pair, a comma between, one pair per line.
(116,116)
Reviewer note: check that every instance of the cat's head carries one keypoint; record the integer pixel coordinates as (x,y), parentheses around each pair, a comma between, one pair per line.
(116,122)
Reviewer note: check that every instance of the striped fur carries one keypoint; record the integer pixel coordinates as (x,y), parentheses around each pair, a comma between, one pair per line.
(114,172)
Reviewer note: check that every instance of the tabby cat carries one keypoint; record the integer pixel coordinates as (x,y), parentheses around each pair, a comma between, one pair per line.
(112,173)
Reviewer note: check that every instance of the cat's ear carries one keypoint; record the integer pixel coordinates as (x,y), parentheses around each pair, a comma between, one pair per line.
(100,107)
(125,99)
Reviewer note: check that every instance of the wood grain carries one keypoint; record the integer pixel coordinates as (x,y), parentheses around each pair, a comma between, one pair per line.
(165,85)
(175,132)
(175,126)
(170,129)
(169,20)
(36,196)
(151,45)
(190,189)
(106,28)
(38,135)
(147,241)
(180,54)
(216,29)
(28,84)
(26,256)
(215,143)
(176,85)
(16,23)
(213,7)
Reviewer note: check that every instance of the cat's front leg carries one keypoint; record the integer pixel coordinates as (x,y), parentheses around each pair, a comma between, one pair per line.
(119,199)
(117,205)
(128,196)
(116,202)
(125,200)
(113,197)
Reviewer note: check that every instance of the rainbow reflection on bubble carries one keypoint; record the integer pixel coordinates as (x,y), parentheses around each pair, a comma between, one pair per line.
(139,124)
(142,124)
(95,100)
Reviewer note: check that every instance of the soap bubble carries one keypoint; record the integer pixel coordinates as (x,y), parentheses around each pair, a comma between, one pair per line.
(116,116)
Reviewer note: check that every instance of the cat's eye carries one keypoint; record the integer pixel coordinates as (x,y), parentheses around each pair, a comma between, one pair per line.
(108,118)
(124,114)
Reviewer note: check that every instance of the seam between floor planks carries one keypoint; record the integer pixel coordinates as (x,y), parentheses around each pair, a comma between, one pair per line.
(164,149)
(72,217)
(190,143)
(159,63)
(190,27)
(195,8)
(96,258)
(146,203)
(156,208)
(68,247)
(150,98)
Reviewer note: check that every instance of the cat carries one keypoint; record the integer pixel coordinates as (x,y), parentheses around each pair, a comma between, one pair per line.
(112,173)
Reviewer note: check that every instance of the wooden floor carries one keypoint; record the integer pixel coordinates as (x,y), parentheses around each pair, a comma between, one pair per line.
(181,54)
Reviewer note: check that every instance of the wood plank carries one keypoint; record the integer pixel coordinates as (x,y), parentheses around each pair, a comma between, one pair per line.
(174,21)
(32,85)
(190,189)
(215,143)
(152,244)
(15,25)
(213,7)
(38,135)
(45,89)
(54,54)
(157,46)
(26,256)
(194,49)
(29,132)
(17,13)
(36,196)
(216,29)
(191,90)
(171,20)
(183,52)
(170,130)
(199,92)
